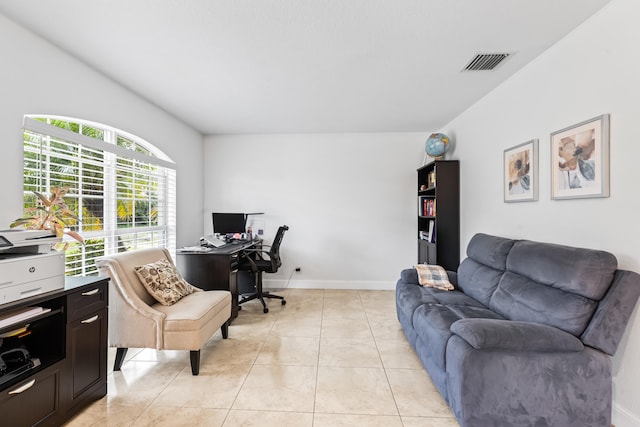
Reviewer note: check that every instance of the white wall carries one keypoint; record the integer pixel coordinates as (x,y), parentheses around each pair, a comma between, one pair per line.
(349,200)
(594,70)
(38,78)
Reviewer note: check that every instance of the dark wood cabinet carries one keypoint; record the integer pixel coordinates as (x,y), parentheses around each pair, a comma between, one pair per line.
(87,326)
(68,342)
(439,213)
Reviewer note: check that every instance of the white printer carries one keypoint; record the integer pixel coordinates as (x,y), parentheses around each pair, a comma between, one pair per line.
(28,266)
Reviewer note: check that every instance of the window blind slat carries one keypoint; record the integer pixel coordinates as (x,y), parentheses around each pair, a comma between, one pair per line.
(120,195)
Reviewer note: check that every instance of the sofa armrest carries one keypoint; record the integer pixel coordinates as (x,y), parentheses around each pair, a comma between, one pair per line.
(494,334)
(409,275)
(610,320)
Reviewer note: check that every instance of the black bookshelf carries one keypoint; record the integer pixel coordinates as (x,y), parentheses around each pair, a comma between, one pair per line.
(439,213)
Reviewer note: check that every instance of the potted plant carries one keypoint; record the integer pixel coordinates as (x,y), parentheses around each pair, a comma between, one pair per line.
(52,214)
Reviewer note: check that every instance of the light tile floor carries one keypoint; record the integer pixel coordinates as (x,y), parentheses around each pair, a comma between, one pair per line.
(326,359)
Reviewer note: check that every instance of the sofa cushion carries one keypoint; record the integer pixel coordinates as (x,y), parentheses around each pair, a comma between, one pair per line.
(489,250)
(410,296)
(433,276)
(454,298)
(584,272)
(433,325)
(478,280)
(509,335)
(163,281)
(480,272)
(195,310)
(519,298)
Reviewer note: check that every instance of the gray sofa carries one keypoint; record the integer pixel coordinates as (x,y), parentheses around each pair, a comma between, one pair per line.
(526,337)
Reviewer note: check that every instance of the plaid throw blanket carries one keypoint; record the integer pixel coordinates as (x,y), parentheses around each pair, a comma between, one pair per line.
(433,276)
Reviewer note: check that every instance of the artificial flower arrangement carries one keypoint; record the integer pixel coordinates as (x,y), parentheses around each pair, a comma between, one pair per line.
(52,214)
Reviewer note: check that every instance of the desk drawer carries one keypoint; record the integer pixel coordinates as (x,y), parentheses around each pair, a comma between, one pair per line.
(233,261)
(87,301)
(32,401)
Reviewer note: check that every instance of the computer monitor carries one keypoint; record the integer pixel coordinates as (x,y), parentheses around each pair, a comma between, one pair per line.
(229,223)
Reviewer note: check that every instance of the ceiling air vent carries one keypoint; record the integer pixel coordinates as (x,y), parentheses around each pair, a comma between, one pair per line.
(485,61)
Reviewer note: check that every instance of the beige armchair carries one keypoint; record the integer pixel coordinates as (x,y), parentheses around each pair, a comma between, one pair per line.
(137,320)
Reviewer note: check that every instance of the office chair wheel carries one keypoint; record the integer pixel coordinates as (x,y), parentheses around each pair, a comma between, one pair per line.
(265,310)
(283,302)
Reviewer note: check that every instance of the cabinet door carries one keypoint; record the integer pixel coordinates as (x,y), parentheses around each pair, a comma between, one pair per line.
(32,401)
(427,253)
(88,356)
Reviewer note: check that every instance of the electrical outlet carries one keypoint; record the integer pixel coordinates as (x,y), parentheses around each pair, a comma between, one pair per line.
(298,269)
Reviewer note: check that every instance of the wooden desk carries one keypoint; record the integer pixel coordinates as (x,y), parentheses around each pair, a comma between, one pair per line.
(215,268)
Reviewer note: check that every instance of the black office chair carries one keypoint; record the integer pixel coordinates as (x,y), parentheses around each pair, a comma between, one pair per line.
(254,260)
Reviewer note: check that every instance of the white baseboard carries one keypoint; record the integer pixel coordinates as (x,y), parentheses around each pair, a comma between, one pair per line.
(329,284)
(622,417)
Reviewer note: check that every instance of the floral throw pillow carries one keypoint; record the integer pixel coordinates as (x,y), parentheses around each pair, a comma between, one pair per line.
(433,276)
(163,281)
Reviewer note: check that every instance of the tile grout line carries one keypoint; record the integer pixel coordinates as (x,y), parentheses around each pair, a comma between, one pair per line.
(315,392)
(384,368)
(253,364)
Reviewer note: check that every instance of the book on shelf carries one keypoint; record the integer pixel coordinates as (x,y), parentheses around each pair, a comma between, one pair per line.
(426,206)
(430,234)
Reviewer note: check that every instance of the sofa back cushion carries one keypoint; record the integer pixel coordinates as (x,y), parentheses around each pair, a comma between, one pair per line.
(522,299)
(552,284)
(480,273)
(586,272)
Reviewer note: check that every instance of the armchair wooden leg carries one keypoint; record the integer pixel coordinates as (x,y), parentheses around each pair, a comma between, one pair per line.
(120,354)
(195,361)
(225,330)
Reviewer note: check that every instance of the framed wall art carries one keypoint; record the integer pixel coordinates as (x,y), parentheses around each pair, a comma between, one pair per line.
(580,160)
(521,172)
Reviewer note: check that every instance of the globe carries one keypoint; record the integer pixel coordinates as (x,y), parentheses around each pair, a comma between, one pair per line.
(437,144)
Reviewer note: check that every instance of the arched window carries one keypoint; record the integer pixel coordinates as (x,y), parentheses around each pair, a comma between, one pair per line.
(121,187)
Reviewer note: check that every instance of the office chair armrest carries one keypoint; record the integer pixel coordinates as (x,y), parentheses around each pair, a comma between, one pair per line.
(258,252)
(252,263)
(245,254)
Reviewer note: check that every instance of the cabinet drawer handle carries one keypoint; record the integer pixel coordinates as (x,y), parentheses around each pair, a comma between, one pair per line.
(23,388)
(89,293)
(90,320)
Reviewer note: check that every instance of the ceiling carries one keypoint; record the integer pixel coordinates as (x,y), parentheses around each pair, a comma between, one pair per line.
(303,66)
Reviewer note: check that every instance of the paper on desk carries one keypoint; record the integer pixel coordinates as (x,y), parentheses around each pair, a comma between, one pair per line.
(194,249)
